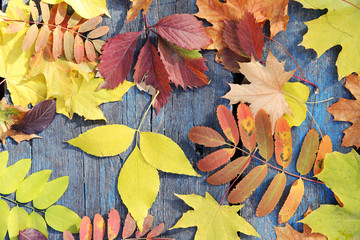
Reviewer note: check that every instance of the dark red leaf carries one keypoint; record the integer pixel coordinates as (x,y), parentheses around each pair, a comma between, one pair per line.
(184,30)
(113,224)
(31,234)
(129,226)
(231,60)
(116,58)
(38,118)
(151,71)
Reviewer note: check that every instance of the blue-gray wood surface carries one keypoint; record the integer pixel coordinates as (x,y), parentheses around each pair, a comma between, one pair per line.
(93,181)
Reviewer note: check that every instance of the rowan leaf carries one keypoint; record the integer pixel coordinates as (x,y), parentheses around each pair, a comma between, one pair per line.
(68,236)
(61,219)
(228,124)
(15,27)
(45,12)
(138,185)
(57,42)
(4,218)
(283,143)
(30,37)
(90,24)
(324,148)
(34,11)
(156,231)
(51,192)
(98,227)
(206,136)
(60,13)
(85,232)
(164,154)
(98,44)
(183,30)
(79,49)
(288,233)
(341,174)
(216,159)
(17,221)
(117,57)
(330,30)
(31,186)
(246,126)
(37,222)
(272,195)
(74,20)
(113,224)
(264,136)
(98,32)
(13,176)
(103,141)
(69,40)
(348,110)
(308,152)
(213,221)
(292,201)
(230,171)
(129,226)
(248,184)
(38,118)
(90,50)
(31,234)
(146,226)
(42,38)
(136,6)
(265,90)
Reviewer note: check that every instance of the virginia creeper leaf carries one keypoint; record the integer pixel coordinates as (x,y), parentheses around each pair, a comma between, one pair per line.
(31,186)
(183,30)
(14,175)
(38,118)
(288,233)
(138,185)
(17,221)
(341,174)
(265,90)
(113,224)
(31,234)
(61,218)
(109,140)
(51,192)
(206,136)
(272,195)
(213,221)
(4,218)
(324,148)
(99,227)
(308,152)
(164,154)
(136,6)
(37,222)
(264,136)
(248,184)
(228,124)
(129,226)
(283,143)
(85,228)
(116,58)
(215,159)
(246,126)
(292,201)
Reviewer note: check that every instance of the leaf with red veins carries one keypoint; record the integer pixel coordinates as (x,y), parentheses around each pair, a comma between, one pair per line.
(185,67)
(116,59)
(151,70)
(184,30)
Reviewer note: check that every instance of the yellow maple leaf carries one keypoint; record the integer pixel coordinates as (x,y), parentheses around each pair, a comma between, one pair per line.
(136,7)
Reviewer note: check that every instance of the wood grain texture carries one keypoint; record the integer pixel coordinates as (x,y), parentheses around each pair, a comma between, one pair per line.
(93,181)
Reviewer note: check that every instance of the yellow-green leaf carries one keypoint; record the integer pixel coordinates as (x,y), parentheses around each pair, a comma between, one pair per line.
(213,221)
(51,192)
(296,95)
(109,140)
(18,219)
(32,185)
(164,154)
(37,222)
(138,185)
(4,156)
(4,218)
(61,219)
(13,176)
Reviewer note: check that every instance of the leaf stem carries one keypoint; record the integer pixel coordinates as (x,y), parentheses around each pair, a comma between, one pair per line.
(21,204)
(3,81)
(351,4)
(321,101)
(147,110)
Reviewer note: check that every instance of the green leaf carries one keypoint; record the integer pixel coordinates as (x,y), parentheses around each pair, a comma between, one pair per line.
(51,192)
(301,92)
(164,154)
(138,185)
(213,221)
(4,218)
(61,219)
(18,220)
(32,185)
(4,156)
(103,141)
(341,174)
(13,176)
(37,222)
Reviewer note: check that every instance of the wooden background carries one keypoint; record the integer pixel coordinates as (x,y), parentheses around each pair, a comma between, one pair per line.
(93,181)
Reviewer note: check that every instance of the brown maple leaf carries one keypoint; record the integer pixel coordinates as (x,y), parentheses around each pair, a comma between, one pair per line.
(349,111)
(10,115)
(265,88)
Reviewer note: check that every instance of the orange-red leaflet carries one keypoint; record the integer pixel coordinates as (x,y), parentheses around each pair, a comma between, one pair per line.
(68,235)
(216,159)
(308,152)
(292,201)
(228,124)
(156,231)
(85,228)
(264,136)
(272,195)
(324,148)
(283,143)
(206,136)
(246,126)
(248,184)
(129,226)
(148,221)
(99,227)
(113,224)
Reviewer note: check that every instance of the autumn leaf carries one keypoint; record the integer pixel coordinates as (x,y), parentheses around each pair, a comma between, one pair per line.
(340,174)
(330,30)
(288,233)
(213,221)
(324,148)
(206,136)
(308,152)
(265,90)
(283,143)
(349,111)
(85,229)
(98,227)
(247,128)
(136,6)
(264,136)
(113,224)
(31,234)
(228,124)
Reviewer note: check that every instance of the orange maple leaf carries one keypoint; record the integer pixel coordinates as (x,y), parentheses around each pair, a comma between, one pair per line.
(136,7)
